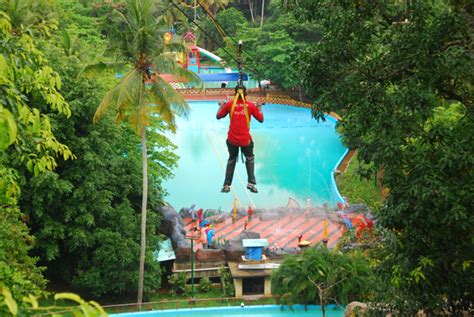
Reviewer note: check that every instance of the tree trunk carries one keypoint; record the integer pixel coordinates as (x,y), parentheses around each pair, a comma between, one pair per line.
(143,223)
(251,10)
(261,17)
(321,298)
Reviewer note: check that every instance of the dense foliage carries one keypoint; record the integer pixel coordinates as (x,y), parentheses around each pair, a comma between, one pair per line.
(399,73)
(141,97)
(29,94)
(321,276)
(83,213)
(401,76)
(269,52)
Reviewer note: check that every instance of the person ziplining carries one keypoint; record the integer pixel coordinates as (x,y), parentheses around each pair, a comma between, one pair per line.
(238,136)
(240,111)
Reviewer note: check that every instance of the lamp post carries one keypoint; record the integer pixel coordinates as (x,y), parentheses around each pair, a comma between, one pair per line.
(192,267)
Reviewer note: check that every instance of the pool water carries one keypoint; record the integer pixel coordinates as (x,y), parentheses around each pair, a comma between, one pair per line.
(294,157)
(257,311)
(250,83)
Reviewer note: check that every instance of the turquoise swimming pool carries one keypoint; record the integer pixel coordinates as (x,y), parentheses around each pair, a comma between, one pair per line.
(250,83)
(294,157)
(257,311)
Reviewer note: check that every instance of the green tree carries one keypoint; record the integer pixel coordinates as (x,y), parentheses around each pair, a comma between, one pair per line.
(231,20)
(272,51)
(141,93)
(321,276)
(85,214)
(401,76)
(29,95)
(30,16)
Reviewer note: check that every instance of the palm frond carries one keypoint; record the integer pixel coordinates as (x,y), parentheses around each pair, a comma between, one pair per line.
(123,97)
(165,64)
(99,67)
(166,103)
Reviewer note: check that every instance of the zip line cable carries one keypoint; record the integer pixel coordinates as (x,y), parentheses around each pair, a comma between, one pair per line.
(219,27)
(216,23)
(190,6)
(203,31)
(238,174)
(222,32)
(212,38)
(216,153)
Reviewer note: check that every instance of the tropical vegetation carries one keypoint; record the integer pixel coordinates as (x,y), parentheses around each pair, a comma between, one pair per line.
(84,119)
(320,276)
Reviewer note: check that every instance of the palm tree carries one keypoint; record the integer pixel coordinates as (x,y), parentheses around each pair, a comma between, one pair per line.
(320,275)
(170,15)
(29,16)
(142,94)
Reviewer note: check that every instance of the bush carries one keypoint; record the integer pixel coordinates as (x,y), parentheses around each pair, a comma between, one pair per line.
(205,285)
(227,282)
(178,283)
(320,276)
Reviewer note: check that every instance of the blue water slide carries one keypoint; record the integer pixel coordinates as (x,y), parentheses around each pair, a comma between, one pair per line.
(222,77)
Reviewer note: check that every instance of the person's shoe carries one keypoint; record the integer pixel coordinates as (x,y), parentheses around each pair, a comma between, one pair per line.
(225,189)
(252,188)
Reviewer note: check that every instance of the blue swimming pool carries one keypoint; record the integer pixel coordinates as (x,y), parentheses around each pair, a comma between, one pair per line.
(257,311)
(295,157)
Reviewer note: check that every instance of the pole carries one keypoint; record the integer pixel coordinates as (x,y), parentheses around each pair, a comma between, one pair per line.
(239,65)
(192,268)
(194,10)
(325,232)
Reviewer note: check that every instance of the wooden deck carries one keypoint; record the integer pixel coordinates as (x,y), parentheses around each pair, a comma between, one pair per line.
(281,233)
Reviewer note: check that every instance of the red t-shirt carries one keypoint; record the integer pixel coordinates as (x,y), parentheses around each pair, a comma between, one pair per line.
(239,130)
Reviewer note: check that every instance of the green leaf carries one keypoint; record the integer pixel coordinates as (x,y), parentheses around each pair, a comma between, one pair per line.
(9,301)
(8,128)
(69,296)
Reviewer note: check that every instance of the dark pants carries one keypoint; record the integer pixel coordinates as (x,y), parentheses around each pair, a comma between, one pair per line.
(249,162)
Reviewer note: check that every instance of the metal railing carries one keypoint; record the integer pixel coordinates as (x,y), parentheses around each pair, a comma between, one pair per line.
(248,300)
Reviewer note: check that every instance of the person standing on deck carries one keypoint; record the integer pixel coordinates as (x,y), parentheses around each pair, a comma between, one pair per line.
(238,136)
(249,213)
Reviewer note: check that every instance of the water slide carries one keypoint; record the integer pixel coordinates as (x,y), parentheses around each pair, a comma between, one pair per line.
(212,56)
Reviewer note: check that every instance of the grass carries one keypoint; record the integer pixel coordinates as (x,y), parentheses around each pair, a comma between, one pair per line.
(357,190)
(214,298)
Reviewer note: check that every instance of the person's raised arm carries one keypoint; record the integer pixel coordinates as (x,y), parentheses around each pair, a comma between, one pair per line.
(257,112)
(223,110)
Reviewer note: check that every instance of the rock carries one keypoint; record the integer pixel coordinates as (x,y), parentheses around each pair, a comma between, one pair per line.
(184,213)
(258,211)
(280,252)
(170,220)
(219,218)
(235,244)
(355,309)
(183,254)
(233,256)
(269,216)
(234,249)
(177,238)
(241,212)
(210,255)
(211,212)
